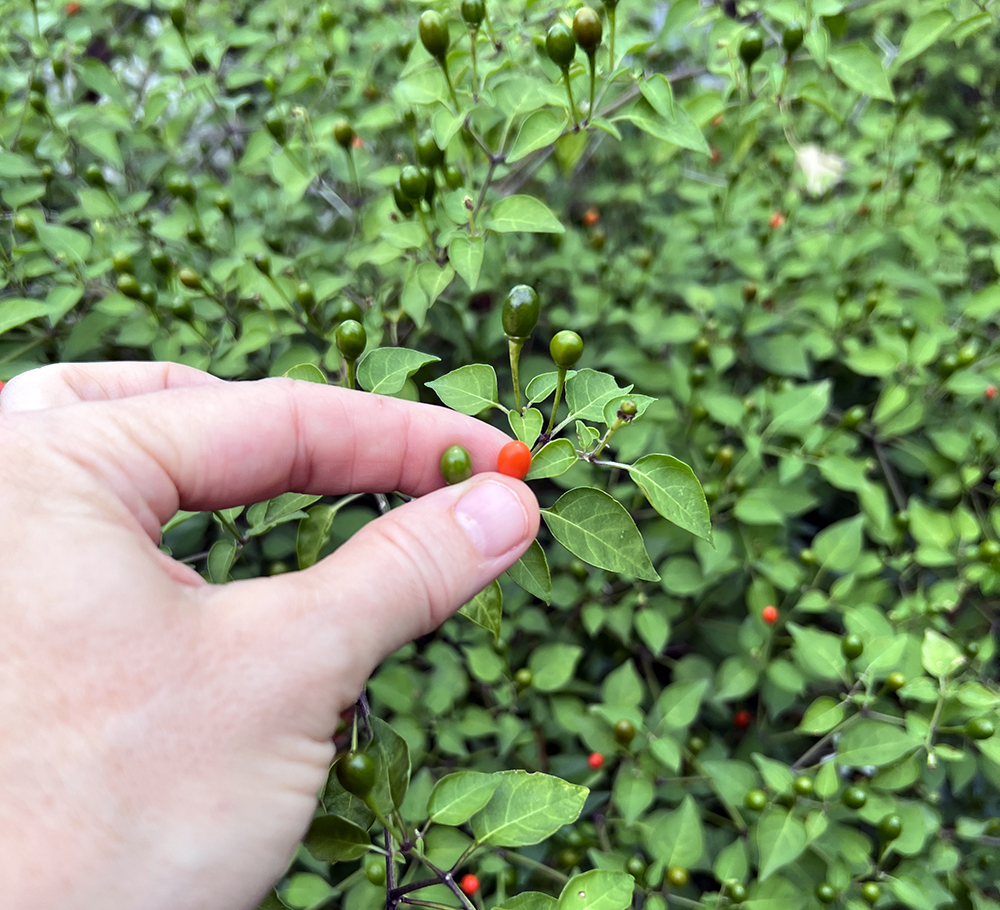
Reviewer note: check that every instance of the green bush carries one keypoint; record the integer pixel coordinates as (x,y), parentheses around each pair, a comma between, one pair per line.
(774,229)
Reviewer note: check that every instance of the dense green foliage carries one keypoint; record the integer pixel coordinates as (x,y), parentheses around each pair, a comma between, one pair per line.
(774,227)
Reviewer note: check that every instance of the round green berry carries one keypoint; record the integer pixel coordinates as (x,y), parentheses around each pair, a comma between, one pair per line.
(854,798)
(520,311)
(456,465)
(851,646)
(560,44)
(351,339)
(566,349)
(755,800)
(356,773)
(587,30)
(434,34)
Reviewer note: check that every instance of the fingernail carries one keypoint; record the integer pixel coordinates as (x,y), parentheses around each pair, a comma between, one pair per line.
(493,518)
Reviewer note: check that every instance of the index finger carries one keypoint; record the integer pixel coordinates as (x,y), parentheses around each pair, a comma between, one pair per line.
(216,446)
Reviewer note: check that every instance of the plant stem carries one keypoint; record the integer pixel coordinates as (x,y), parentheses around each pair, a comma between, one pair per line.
(351,374)
(447,78)
(560,381)
(611,46)
(607,436)
(229,526)
(569,94)
(514,346)
(593,78)
(473,33)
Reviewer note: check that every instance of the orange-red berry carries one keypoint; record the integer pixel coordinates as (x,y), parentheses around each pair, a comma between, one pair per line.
(991,392)
(769,614)
(777,220)
(742,719)
(469,884)
(514,459)
(591,217)
(595,760)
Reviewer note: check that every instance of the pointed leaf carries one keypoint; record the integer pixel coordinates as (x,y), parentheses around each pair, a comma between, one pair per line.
(527,808)
(781,838)
(332,839)
(676,839)
(527,426)
(552,459)
(522,213)
(597,528)
(597,889)
(457,797)
(858,68)
(384,371)
(486,608)
(466,255)
(469,389)
(531,572)
(674,491)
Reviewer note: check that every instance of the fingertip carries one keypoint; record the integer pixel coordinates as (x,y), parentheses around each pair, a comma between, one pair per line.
(497,514)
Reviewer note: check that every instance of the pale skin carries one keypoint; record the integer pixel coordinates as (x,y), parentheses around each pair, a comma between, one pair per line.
(162,740)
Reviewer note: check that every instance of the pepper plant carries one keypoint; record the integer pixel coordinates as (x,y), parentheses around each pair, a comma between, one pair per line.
(762,239)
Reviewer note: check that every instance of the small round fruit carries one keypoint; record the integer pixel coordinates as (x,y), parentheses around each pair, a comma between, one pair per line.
(178,18)
(224,204)
(769,614)
(742,719)
(566,349)
(677,876)
(305,295)
(428,153)
(791,39)
(469,884)
(473,13)
(180,186)
(895,681)
(514,459)
(755,800)
(327,20)
(402,203)
(456,465)
(726,456)
(560,44)
(807,557)
(434,34)
(412,183)
(160,260)
(568,858)
(907,327)
(826,893)
(853,416)
(453,177)
(523,678)
(623,731)
(695,745)
(95,176)
(129,285)
(276,126)
(737,893)
(343,134)
(803,786)
(189,278)
(989,551)
(375,872)
(595,761)
(636,867)
(431,184)
(24,224)
(890,828)
(587,30)
(870,892)
(263,263)
(351,339)
(851,646)
(348,309)
(122,262)
(148,294)
(751,47)
(854,798)
(979,728)
(356,773)
(627,409)
(520,311)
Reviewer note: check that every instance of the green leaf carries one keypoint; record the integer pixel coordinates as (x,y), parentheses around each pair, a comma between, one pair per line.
(677,128)
(597,889)
(64,242)
(466,255)
(781,838)
(922,33)
(588,391)
(384,371)
(394,766)
(530,900)
(940,656)
(540,129)
(458,796)
(314,533)
(531,572)
(679,704)
(838,546)
(553,665)
(799,407)
(486,609)
(425,285)
(469,389)
(527,426)
(552,459)
(597,528)
(676,839)
(19,310)
(674,491)
(306,372)
(527,808)
(874,742)
(543,385)
(522,213)
(332,839)
(221,556)
(13,166)
(821,716)
(858,68)
(264,516)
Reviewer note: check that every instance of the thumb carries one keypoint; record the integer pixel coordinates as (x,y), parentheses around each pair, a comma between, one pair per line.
(396,579)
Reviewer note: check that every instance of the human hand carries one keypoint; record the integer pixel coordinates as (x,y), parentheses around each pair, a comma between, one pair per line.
(162,740)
